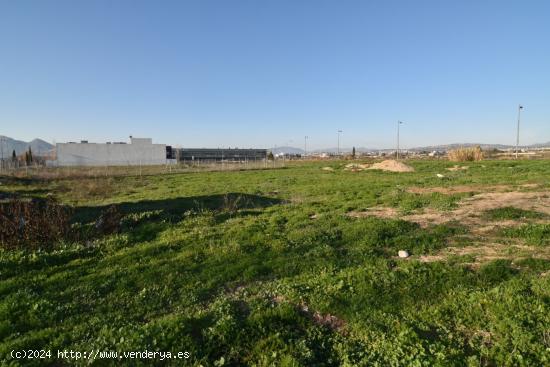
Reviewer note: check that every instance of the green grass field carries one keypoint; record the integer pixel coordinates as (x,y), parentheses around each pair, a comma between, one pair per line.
(292,267)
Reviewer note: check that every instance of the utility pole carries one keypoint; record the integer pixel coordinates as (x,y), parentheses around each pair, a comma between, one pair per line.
(398,123)
(520,107)
(339,132)
(2,150)
(305,146)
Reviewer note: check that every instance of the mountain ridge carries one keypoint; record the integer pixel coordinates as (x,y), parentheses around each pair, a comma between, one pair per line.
(38,146)
(439,147)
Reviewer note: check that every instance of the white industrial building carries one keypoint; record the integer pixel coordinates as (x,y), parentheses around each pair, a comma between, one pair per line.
(140,151)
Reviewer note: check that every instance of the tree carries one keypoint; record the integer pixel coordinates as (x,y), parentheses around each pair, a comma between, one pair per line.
(30,155)
(353,152)
(13,156)
(270,156)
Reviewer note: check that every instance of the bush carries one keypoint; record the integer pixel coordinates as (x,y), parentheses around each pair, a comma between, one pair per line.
(33,224)
(497,271)
(466,154)
(109,221)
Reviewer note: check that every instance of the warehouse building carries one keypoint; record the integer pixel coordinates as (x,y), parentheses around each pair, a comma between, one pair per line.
(190,155)
(140,151)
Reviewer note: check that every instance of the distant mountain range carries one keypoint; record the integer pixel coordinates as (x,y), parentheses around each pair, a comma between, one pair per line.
(443,147)
(483,146)
(38,146)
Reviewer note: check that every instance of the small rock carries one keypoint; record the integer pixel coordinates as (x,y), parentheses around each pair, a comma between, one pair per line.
(440,175)
(403,253)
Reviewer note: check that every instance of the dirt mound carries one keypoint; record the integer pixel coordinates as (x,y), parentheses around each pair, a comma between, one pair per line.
(392,166)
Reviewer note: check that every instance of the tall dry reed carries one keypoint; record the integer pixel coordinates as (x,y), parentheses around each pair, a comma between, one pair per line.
(466,154)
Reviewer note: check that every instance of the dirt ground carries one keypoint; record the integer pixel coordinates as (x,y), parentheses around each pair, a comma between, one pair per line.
(469,209)
(459,189)
(457,168)
(484,246)
(484,252)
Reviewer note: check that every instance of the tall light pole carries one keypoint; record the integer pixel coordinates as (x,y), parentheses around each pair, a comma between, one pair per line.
(398,123)
(305,146)
(339,132)
(520,107)
(2,149)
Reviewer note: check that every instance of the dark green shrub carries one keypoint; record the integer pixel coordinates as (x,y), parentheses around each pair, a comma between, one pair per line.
(510,212)
(497,271)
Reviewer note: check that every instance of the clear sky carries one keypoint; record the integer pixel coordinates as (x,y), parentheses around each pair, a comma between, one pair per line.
(264,73)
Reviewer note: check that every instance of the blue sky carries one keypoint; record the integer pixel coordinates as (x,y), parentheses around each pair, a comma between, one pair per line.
(265,73)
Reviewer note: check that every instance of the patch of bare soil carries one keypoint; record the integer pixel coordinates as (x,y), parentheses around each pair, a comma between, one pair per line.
(530,186)
(392,166)
(457,168)
(381,212)
(328,320)
(458,189)
(470,209)
(355,167)
(482,253)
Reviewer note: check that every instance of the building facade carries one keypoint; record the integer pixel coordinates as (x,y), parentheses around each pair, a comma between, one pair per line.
(189,155)
(140,151)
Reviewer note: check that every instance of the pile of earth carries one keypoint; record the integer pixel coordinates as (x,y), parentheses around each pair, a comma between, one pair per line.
(392,166)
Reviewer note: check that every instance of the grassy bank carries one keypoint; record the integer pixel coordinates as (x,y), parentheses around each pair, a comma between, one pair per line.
(268,267)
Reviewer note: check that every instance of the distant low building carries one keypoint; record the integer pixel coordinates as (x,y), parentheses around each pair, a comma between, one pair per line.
(436,153)
(140,151)
(189,155)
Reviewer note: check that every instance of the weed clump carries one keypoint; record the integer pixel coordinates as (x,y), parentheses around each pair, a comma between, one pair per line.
(466,154)
(109,221)
(497,271)
(533,234)
(509,212)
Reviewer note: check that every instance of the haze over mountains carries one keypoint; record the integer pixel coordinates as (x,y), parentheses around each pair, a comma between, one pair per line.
(442,147)
(8,145)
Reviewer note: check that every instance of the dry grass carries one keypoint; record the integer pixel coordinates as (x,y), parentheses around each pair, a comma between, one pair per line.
(466,154)
(32,224)
(60,173)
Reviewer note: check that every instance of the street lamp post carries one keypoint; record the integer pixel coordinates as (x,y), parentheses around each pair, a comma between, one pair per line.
(305,146)
(398,123)
(520,107)
(339,132)
(2,149)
